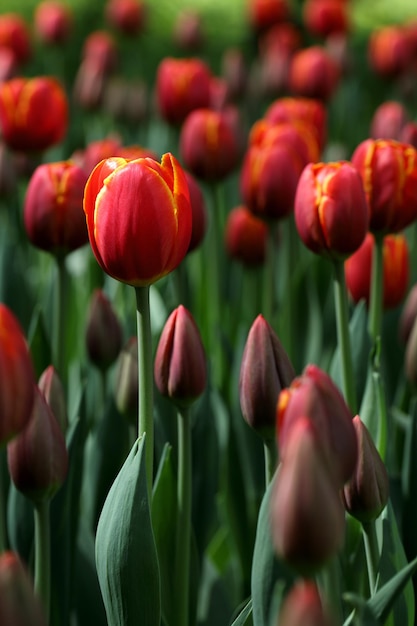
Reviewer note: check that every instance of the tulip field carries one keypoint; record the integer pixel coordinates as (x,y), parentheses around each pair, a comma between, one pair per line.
(208,313)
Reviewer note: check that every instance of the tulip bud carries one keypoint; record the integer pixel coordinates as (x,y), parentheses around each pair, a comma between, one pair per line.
(51,386)
(188,30)
(96,151)
(19,606)
(53,22)
(126,381)
(126,16)
(100,50)
(388,120)
(180,361)
(390,50)
(408,134)
(313,73)
(265,13)
(103,333)
(246,237)
(38,457)
(89,86)
(14,34)
(265,370)
(302,606)
(367,491)
(199,212)
(307,110)
(307,514)
(325,17)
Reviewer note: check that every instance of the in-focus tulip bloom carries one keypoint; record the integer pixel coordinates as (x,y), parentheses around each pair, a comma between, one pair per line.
(331,212)
(302,606)
(314,396)
(182,85)
(126,381)
(126,16)
(17,376)
(53,21)
(366,492)
(313,74)
(138,217)
(390,50)
(396,270)
(263,14)
(264,371)
(307,513)
(389,120)
(103,333)
(389,172)
(199,212)
(19,605)
(38,457)
(307,110)
(208,144)
(33,113)
(14,34)
(326,17)
(53,212)
(180,360)
(246,237)
(51,387)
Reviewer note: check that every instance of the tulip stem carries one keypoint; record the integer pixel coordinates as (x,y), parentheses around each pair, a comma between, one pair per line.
(268,292)
(372,553)
(183,529)
(59,319)
(377,286)
(43,554)
(270,460)
(145,378)
(331,589)
(343,336)
(213,306)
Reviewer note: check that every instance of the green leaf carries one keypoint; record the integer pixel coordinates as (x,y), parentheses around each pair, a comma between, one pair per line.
(383,601)
(40,347)
(409,482)
(244,616)
(126,557)
(89,605)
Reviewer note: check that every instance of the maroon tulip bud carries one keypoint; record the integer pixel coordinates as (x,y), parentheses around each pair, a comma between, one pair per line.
(199,212)
(307,513)
(103,333)
(89,85)
(366,493)
(19,606)
(51,386)
(302,606)
(408,134)
(38,457)
(313,73)
(246,237)
(126,381)
(180,362)
(265,370)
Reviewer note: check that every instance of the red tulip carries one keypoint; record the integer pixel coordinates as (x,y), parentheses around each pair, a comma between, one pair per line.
(138,217)
(96,151)
(19,605)
(188,30)
(313,74)
(14,34)
(302,606)
(307,110)
(53,21)
(326,17)
(100,49)
(389,120)
(246,236)
(390,50)
(127,16)
(265,13)
(103,333)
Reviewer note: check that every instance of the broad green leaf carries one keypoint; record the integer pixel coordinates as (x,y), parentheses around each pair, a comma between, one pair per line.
(384,600)
(88,602)
(244,617)
(409,481)
(126,557)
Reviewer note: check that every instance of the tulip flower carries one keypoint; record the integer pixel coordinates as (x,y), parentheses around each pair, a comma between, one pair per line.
(388,121)
(96,151)
(100,50)
(33,113)
(390,50)
(246,237)
(19,605)
(138,217)
(14,34)
(326,17)
(396,270)
(307,110)
(126,16)
(303,606)
(263,14)
(313,73)
(103,334)
(53,22)
(53,213)
(182,85)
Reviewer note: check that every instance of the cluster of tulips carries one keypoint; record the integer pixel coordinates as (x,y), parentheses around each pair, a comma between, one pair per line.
(208,336)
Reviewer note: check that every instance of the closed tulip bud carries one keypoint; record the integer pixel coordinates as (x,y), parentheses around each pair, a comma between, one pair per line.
(53,212)
(302,606)
(408,315)
(389,172)
(208,144)
(17,377)
(307,110)
(126,381)
(38,457)
(53,22)
(19,606)
(367,491)
(390,50)
(103,334)
(199,212)
(396,270)
(126,16)
(180,361)
(89,85)
(182,85)
(313,73)
(138,217)
(388,120)
(188,30)
(100,50)
(235,72)
(52,389)
(14,34)
(314,396)
(265,370)
(331,212)
(33,113)
(263,14)
(326,17)
(307,513)
(246,237)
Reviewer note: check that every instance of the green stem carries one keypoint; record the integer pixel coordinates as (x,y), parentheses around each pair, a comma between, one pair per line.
(377,286)
(59,319)
(183,529)
(372,553)
(268,291)
(331,592)
(214,279)
(43,554)
(145,378)
(270,460)
(343,336)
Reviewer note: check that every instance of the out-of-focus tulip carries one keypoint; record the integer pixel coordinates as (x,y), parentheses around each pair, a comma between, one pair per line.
(234,72)
(389,172)
(199,212)
(396,272)
(408,314)
(103,333)
(126,381)
(410,365)
(133,152)
(331,212)
(38,457)
(313,74)
(390,50)
(283,38)
(388,120)
(263,14)
(307,110)
(302,606)
(246,237)
(53,21)
(8,64)
(14,34)
(17,376)
(126,16)
(326,17)
(182,85)
(408,134)
(53,212)
(89,85)
(314,396)
(188,30)
(366,492)
(19,605)
(209,145)
(96,151)
(138,217)
(265,370)
(33,113)
(100,50)
(297,134)
(53,391)
(180,360)
(307,513)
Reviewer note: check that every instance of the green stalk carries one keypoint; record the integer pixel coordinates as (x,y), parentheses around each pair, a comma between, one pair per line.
(377,286)
(59,319)
(330,588)
(343,336)
(372,553)
(183,529)
(270,460)
(268,291)
(145,378)
(214,283)
(43,554)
